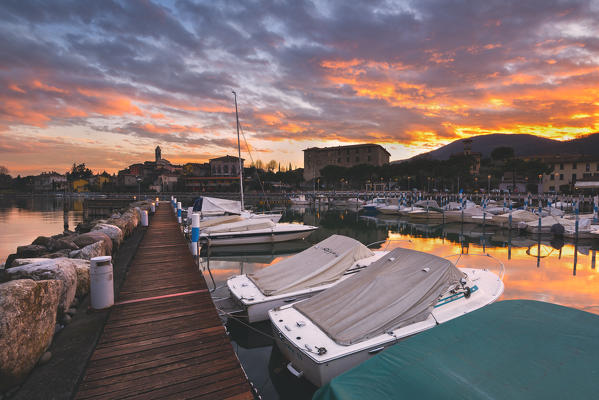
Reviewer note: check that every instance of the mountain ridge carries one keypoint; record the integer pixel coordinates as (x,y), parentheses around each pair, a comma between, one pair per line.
(523,145)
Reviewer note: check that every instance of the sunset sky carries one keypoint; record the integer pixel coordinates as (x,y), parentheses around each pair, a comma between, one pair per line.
(104,82)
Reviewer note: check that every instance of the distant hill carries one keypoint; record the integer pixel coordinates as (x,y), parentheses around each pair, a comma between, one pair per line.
(523,145)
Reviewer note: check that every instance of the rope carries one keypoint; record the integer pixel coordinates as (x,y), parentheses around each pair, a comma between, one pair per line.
(252,159)
(228,314)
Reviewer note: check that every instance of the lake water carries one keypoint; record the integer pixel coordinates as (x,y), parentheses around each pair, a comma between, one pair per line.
(22,219)
(552,271)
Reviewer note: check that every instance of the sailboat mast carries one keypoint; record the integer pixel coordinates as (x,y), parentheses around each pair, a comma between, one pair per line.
(239,153)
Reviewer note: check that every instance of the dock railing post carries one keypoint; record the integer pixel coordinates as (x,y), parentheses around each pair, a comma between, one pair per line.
(195,233)
(179,212)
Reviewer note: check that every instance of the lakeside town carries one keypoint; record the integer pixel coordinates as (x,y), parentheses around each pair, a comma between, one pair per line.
(363,167)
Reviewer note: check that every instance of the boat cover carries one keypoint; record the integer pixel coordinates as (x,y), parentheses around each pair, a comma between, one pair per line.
(549,221)
(516,349)
(427,203)
(215,206)
(397,290)
(517,216)
(225,219)
(318,265)
(240,226)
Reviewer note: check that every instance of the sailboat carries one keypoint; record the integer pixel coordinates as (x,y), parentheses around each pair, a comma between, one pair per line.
(252,230)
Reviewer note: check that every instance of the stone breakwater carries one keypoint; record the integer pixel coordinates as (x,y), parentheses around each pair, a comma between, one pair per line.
(42,283)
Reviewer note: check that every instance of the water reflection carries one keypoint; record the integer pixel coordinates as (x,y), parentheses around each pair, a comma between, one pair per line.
(22,219)
(539,268)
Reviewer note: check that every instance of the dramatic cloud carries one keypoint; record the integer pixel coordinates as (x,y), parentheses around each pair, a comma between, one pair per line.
(123,76)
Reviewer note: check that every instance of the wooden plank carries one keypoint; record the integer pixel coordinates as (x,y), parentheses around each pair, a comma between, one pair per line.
(164,347)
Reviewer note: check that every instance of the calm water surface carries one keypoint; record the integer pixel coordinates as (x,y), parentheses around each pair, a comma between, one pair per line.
(22,219)
(549,270)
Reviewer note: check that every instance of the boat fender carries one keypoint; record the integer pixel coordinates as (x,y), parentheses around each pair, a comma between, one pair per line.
(467,292)
(557,229)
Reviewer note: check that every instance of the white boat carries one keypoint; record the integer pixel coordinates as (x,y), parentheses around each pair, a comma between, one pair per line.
(402,294)
(300,276)
(375,204)
(391,209)
(252,231)
(517,217)
(547,225)
(351,203)
(585,229)
(210,207)
(299,200)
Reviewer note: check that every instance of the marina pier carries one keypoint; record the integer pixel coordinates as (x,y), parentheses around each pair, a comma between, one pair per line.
(163,338)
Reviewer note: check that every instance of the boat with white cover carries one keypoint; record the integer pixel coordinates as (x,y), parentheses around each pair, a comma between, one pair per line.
(403,293)
(210,207)
(299,200)
(300,276)
(375,204)
(251,231)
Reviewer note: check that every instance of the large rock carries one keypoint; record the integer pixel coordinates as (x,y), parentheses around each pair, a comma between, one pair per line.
(58,254)
(63,244)
(61,269)
(112,231)
(92,237)
(31,250)
(82,269)
(93,250)
(42,241)
(24,261)
(9,260)
(127,222)
(26,326)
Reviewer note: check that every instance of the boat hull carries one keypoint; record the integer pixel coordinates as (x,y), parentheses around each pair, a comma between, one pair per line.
(237,238)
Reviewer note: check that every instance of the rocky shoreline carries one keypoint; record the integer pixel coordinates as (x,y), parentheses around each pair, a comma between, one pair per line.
(41,286)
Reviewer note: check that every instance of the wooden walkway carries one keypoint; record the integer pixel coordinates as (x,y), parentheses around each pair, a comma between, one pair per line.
(164,339)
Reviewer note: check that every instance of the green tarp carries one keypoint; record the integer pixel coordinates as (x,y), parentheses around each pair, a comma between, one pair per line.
(517,349)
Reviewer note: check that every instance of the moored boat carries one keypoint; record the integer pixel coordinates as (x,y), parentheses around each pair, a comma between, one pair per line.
(300,276)
(253,231)
(403,293)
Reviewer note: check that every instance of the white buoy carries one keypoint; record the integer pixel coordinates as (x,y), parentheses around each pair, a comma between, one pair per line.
(101,282)
(144,218)
(195,233)
(153,209)
(179,212)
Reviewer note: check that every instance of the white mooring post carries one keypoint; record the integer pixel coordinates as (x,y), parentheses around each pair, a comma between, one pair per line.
(195,233)
(179,212)
(153,208)
(101,282)
(144,218)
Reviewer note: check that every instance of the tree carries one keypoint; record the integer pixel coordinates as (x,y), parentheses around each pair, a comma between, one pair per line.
(259,164)
(272,165)
(3,170)
(79,171)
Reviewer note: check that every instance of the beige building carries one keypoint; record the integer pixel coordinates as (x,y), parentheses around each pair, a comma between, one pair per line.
(225,166)
(316,158)
(569,169)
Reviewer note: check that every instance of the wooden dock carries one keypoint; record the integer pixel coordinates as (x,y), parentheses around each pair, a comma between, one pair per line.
(163,338)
